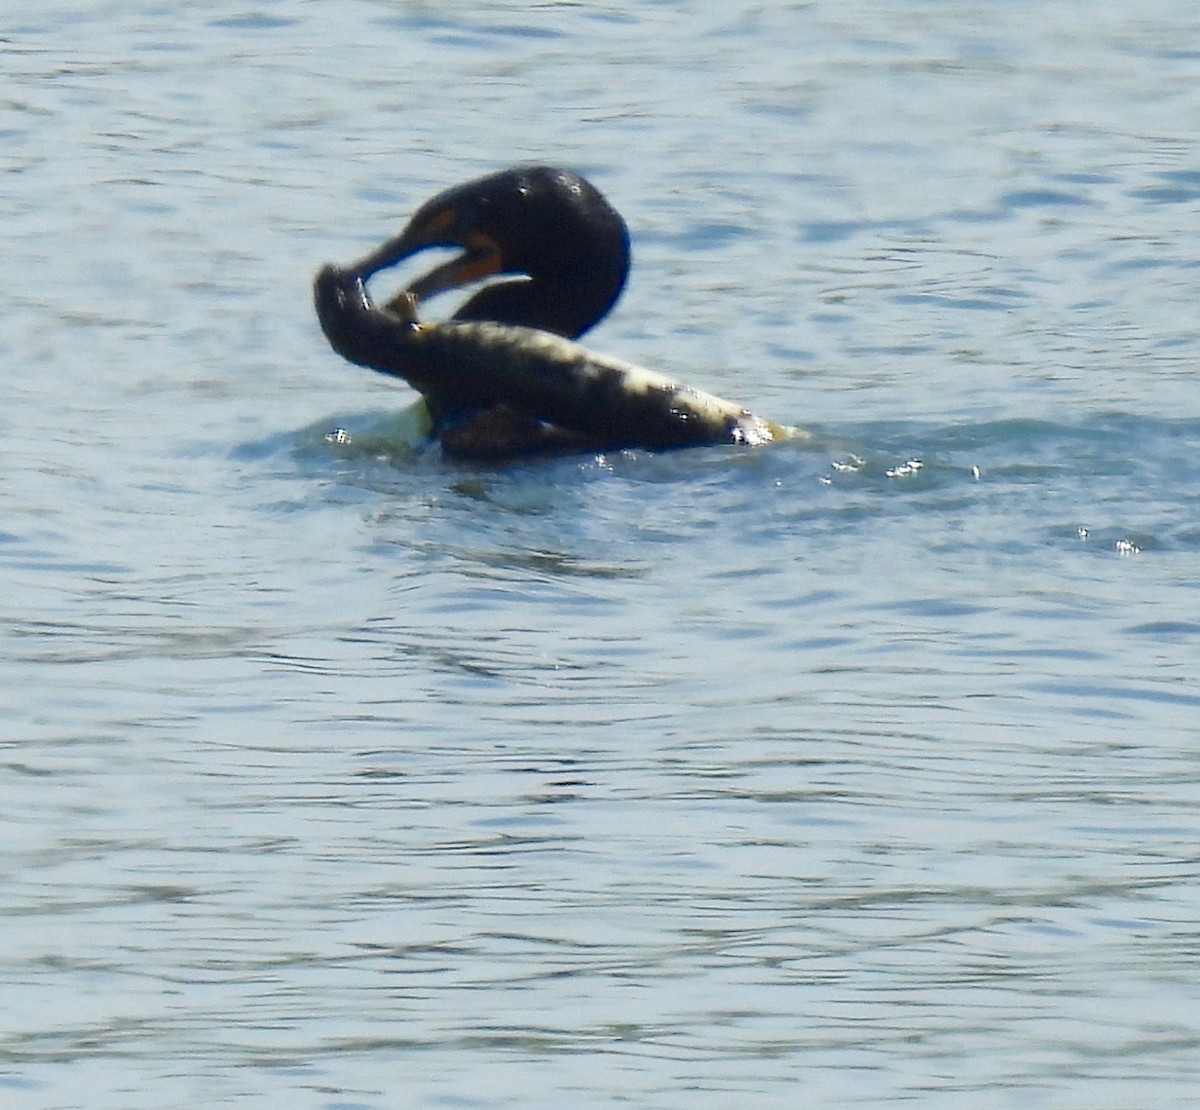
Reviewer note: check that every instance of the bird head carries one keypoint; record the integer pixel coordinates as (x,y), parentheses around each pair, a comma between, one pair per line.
(564,248)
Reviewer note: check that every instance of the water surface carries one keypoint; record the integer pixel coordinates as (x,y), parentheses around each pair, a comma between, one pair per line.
(850,772)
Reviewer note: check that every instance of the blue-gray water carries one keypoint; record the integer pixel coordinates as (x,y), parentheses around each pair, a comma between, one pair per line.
(339,777)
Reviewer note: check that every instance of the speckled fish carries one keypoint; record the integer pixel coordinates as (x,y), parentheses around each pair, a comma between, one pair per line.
(611,402)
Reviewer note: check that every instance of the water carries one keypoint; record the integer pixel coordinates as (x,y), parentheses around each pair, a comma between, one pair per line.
(844,773)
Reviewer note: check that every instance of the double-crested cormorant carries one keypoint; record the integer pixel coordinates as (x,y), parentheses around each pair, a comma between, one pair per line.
(494,381)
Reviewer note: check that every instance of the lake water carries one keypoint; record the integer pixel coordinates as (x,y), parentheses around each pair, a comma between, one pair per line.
(862,771)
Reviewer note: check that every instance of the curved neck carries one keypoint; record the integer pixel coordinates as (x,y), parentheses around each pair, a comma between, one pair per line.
(566,307)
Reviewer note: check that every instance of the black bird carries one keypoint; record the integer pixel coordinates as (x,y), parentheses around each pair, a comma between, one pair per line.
(491,386)
(566,245)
